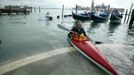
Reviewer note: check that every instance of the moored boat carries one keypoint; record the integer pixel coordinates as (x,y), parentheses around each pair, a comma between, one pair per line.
(103,14)
(115,17)
(82,17)
(90,16)
(98,18)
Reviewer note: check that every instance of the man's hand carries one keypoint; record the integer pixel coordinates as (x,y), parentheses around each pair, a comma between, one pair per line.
(75,33)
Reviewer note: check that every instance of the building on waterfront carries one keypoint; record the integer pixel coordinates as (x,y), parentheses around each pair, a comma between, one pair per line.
(101,7)
(119,9)
(82,8)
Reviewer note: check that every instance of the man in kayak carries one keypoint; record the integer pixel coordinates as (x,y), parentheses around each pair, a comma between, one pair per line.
(48,16)
(78,32)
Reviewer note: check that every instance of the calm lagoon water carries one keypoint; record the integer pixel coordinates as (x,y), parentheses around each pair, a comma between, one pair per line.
(25,35)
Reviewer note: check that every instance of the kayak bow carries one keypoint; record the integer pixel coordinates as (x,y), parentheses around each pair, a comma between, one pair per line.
(92,53)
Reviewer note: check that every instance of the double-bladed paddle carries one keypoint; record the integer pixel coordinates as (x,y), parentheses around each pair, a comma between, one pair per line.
(64,28)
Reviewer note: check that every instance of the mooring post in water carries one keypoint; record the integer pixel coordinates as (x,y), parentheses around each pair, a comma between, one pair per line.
(0,44)
(10,10)
(0,11)
(125,16)
(76,9)
(62,11)
(130,12)
(31,9)
(108,10)
(131,20)
(122,12)
(34,9)
(25,9)
(39,10)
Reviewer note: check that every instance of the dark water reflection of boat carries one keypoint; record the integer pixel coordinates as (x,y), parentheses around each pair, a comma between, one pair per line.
(113,27)
(93,27)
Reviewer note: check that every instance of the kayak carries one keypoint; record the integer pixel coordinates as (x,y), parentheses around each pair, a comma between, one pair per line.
(46,18)
(92,53)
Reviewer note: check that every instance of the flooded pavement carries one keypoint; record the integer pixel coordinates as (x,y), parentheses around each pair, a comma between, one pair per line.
(26,35)
(74,63)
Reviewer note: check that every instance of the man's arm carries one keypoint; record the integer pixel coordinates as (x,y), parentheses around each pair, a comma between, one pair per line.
(86,35)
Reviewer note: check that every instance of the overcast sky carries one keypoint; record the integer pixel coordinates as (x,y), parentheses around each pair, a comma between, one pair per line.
(68,3)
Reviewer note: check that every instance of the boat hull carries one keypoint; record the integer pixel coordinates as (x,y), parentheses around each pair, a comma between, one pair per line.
(115,18)
(114,22)
(80,17)
(98,18)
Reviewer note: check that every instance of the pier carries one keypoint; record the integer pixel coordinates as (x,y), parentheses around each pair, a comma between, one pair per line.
(15,9)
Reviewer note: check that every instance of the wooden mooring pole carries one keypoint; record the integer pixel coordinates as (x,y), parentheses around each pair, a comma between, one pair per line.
(76,9)
(31,9)
(34,9)
(25,10)
(39,9)
(131,20)
(125,16)
(10,10)
(0,12)
(62,11)
(130,12)
(108,10)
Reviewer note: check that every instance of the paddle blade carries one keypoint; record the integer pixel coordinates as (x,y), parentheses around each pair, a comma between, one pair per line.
(98,42)
(62,27)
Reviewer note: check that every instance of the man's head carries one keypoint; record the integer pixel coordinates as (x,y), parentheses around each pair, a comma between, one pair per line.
(78,24)
(47,13)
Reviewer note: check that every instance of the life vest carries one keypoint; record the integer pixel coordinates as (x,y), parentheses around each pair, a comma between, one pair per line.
(80,37)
